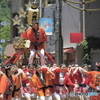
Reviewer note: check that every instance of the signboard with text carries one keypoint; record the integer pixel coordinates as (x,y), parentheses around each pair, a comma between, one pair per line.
(47,25)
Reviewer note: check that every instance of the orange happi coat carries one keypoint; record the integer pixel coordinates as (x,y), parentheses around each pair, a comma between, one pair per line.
(30,35)
(38,84)
(18,82)
(92,76)
(4,86)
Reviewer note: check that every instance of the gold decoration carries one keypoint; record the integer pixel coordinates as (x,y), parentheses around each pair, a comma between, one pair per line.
(21,28)
(22,13)
(28,6)
(28,26)
(19,44)
(16,20)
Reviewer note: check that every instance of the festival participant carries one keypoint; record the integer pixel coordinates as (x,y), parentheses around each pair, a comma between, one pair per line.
(3,84)
(38,40)
(94,77)
(75,77)
(7,83)
(41,80)
(24,68)
(60,82)
(86,81)
(29,93)
(54,66)
(84,86)
(91,75)
(20,76)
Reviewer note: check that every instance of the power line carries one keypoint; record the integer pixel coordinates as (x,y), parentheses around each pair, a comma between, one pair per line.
(73,18)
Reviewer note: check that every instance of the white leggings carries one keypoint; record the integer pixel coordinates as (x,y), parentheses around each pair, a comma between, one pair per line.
(45,98)
(58,96)
(32,54)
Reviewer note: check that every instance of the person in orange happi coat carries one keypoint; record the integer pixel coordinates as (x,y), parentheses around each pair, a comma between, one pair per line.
(20,76)
(29,93)
(7,81)
(2,84)
(38,39)
(94,77)
(41,80)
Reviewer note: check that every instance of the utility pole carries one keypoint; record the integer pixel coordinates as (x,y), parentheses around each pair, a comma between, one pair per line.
(11,23)
(83,20)
(58,31)
(40,8)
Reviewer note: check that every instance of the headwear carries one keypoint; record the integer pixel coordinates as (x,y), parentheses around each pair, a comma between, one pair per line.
(76,65)
(97,64)
(35,22)
(8,66)
(85,65)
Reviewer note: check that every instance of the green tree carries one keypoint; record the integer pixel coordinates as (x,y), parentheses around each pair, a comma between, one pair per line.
(4,16)
(4,11)
(5,34)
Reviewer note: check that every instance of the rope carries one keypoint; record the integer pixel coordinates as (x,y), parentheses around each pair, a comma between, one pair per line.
(82,8)
(90,1)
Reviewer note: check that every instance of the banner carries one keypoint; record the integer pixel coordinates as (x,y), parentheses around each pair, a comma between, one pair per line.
(47,25)
(76,37)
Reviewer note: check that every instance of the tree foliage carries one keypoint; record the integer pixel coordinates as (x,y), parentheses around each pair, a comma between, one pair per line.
(4,16)
(4,11)
(89,43)
(5,34)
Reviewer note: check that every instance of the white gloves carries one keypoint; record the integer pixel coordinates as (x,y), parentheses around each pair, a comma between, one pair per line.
(1,72)
(20,71)
(98,88)
(1,96)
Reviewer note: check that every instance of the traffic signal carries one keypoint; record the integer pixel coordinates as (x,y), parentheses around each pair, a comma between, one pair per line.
(33,14)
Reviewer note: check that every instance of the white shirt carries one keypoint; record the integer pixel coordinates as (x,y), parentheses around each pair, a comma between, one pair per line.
(61,78)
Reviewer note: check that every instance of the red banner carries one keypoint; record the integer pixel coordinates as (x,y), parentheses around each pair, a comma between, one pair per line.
(76,37)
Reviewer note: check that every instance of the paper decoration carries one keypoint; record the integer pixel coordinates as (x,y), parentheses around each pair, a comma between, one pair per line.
(21,28)
(16,20)
(22,13)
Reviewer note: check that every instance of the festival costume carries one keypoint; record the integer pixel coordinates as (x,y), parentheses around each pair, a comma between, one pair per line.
(84,86)
(38,40)
(27,90)
(76,78)
(95,79)
(60,80)
(43,89)
(30,34)
(17,92)
(93,75)
(6,86)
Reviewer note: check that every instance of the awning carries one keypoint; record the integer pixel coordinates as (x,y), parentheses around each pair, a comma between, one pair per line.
(9,50)
(67,50)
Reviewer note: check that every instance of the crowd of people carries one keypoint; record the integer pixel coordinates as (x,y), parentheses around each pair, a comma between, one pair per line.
(52,82)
